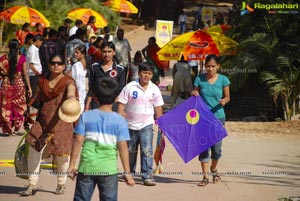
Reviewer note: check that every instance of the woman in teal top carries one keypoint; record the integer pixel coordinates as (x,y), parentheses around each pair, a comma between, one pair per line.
(214,90)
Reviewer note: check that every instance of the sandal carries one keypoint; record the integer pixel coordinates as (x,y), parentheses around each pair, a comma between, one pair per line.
(16,133)
(60,190)
(204,182)
(216,176)
(30,191)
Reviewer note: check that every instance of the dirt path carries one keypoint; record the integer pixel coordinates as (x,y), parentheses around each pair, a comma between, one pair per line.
(256,165)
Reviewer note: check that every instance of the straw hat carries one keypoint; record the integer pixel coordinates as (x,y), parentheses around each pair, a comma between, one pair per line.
(91,35)
(70,110)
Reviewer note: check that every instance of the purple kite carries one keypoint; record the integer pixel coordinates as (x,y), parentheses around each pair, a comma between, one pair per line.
(191,128)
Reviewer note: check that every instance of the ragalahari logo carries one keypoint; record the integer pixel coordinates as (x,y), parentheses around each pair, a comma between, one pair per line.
(246,9)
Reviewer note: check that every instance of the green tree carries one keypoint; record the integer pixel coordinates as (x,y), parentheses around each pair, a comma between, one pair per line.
(56,11)
(269,43)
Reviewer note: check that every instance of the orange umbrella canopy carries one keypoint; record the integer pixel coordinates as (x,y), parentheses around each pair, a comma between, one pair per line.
(23,14)
(196,45)
(122,6)
(84,15)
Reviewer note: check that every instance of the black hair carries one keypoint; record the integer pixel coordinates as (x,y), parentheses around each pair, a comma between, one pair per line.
(12,58)
(106,89)
(137,53)
(91,18)
(79,32)
(81,49)
(28,37)
(60,56)
(120,33)
(212,57)
(68,21)
(106,29)
(106,33)
(108,44)
(97,41)
(25,25)
(52,32)
(62,28)
(153,39)
(37,24)
(38,37)
(78,22)
(146,67)
(182,59)
(120,30)
(46,32)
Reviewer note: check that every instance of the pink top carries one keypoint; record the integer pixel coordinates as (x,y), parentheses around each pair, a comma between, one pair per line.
(140,104)
(20,64)
(5,66)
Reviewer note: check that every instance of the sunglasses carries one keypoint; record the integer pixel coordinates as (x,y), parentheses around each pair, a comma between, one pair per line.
(56,62)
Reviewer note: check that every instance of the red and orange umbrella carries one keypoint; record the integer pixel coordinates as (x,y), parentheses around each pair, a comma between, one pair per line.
(84,14)
(196,45)
(121,6)
(23,14)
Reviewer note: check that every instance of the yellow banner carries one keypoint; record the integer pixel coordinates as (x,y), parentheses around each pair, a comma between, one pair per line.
(164,32)
(207,15)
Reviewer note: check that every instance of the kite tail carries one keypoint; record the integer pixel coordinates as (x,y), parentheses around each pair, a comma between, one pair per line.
(159,169)
(160,147)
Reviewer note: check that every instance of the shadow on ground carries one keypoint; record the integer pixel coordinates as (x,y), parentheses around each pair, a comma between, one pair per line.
(276,173)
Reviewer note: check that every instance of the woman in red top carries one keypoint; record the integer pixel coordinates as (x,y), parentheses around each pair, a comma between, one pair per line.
(95,50)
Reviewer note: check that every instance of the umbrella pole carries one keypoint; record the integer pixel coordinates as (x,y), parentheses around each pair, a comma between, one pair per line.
(140,10)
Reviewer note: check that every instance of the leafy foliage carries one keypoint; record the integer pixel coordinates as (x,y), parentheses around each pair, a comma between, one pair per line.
(270,43)
(56,11)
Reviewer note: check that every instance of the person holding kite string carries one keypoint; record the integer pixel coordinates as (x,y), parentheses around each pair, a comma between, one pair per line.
(214,90)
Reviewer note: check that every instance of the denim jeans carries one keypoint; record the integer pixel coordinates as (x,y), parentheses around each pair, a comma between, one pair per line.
(182,27)
(216,151)
(107,186)
(144,138)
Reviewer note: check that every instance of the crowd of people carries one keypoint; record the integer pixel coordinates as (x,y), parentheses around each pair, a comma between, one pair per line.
(47,67)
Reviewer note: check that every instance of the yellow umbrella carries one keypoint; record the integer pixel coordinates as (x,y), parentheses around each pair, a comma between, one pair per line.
(218,28)
(122,6)
(22,14)
(196,45)
(84,15)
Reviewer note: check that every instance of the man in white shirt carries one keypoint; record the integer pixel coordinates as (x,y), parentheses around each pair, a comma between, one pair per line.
(106,34)
(78,24)
(34,65)
(181,22)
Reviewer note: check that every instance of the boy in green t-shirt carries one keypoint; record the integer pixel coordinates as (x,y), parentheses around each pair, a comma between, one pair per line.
(101,133)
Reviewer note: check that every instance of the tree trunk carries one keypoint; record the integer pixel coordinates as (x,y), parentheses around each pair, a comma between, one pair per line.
(285,116)
(286,108)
